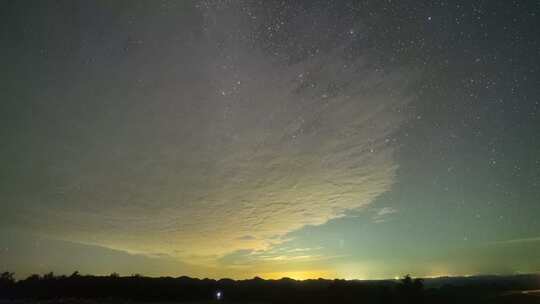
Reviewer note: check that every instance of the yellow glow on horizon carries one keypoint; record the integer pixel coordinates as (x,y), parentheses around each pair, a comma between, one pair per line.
(299,275)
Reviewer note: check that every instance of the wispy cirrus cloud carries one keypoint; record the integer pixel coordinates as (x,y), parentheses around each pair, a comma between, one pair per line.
(383,214)
(277,255)
(516,241)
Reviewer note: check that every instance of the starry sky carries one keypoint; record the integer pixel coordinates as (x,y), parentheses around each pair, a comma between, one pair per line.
(306,139)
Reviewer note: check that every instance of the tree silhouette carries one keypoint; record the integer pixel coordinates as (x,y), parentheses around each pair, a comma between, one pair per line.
(7,277)
(137,288)
(411,290)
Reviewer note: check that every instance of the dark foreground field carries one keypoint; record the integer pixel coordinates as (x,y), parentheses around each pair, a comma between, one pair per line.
(50,289)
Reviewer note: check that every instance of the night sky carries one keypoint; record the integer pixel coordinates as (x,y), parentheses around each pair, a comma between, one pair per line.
(336,139)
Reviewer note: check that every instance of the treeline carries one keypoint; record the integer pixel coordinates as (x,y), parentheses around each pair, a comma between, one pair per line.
(181,289)
(140,288)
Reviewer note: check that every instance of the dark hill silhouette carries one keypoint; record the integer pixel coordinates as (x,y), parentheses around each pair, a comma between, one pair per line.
(139,288)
